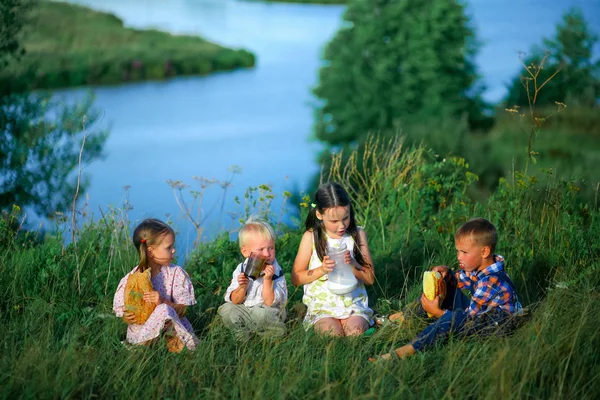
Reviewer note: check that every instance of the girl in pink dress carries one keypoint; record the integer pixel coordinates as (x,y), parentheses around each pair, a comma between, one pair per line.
(173,290)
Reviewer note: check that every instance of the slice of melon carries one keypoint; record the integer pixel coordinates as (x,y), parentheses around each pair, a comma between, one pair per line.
(139,283)
(433,285)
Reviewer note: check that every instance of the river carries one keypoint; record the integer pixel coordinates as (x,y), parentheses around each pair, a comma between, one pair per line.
(258,119)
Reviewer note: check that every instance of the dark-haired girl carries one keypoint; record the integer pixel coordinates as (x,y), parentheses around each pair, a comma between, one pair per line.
(330,224)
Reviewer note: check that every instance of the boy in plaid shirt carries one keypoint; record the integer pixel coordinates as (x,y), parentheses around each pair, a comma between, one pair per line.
(493,295)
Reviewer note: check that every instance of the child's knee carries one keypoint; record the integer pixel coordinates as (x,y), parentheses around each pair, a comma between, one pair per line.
(355,326)
(226,308)
(329,326)
(233,315)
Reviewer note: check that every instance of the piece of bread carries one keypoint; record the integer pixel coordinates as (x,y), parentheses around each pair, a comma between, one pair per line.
(139,283)
(433,285)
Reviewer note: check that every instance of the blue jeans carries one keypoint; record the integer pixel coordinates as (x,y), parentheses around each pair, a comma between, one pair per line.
(458,321)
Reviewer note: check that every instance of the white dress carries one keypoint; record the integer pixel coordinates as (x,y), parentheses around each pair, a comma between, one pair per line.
(322,303)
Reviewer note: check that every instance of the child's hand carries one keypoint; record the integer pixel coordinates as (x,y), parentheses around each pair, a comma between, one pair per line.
(328,265)
(268,272)
(442,269)
(243,280)
(128,317)
(432,306)
(348,259)
(153,297)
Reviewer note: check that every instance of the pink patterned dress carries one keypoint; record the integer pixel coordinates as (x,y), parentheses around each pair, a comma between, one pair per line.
(173,284)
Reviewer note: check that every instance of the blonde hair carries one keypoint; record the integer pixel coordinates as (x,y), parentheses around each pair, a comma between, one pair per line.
(479,230)
(255,227)
(149,233)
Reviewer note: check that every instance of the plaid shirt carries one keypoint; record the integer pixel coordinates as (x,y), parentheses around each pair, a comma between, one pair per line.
(489,290)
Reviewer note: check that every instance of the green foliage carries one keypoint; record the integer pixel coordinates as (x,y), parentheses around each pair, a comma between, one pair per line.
(569,51)
(11,229)
(43,141)
(211,267)
(258,202)
(12,18)
(410,202)
(566,148)
(95,48)
(395,63)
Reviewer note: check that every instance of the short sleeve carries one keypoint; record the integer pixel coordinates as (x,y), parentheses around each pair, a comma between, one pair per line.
(234,283)
(281,293)
(183,290)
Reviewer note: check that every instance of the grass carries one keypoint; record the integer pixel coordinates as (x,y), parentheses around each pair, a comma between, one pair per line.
(69,45)
(60,342)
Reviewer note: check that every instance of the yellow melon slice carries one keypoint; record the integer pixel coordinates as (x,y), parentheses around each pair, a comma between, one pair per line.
(433,285)
(139,283)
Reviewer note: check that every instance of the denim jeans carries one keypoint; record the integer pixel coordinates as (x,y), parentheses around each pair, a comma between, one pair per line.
(457,321)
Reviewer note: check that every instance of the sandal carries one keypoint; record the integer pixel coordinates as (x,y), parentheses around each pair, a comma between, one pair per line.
(383,320)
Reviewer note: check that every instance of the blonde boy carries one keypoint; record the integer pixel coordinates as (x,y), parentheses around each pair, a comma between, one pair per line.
(256,305)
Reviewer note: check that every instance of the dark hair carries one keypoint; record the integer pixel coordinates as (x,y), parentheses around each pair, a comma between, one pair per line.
(331,195)
(148,233)
(481,231)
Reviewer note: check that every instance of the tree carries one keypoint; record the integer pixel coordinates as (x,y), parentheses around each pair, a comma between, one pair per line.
(12,18)
(40,139)
(394,63)
(570,53)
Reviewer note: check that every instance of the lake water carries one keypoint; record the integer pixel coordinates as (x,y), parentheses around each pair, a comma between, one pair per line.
(258,119)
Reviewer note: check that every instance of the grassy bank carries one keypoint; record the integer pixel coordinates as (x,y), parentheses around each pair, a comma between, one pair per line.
(60,339)
(69,45)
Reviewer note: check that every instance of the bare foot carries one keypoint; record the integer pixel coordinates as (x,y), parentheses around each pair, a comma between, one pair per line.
(386,357)
(174,344)
(400,353)
(405,351)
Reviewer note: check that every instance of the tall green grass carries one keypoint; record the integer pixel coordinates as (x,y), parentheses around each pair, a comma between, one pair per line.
(59,341)
(69,45)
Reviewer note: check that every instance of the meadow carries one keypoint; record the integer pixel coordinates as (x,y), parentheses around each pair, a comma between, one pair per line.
(68,45)
(60,339)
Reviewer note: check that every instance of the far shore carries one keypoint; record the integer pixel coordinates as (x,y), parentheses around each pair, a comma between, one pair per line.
(68,45)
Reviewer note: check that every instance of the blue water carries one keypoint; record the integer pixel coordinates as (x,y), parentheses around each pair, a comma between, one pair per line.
(258,119)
